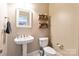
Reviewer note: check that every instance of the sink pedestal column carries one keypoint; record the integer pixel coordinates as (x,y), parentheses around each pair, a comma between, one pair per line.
(24,47)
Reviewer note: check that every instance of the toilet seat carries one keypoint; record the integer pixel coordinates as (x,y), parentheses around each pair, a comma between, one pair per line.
(49,51)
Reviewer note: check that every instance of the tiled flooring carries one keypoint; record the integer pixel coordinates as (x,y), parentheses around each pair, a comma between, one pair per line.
(35,53)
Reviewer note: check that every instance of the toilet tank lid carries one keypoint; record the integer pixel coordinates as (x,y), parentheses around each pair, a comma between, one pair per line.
(49,50)
(43,38)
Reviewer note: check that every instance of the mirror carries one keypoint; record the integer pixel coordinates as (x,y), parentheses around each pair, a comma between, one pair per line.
(23,18)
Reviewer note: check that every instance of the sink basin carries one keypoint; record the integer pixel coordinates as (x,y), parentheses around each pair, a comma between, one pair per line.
(24,40)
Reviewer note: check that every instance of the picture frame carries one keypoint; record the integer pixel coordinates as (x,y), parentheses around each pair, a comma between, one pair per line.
(23,18)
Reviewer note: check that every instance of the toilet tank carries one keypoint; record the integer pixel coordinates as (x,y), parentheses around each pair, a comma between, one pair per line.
(43,41)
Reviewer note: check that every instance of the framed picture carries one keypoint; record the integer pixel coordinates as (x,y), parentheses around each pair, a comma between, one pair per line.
(23,18)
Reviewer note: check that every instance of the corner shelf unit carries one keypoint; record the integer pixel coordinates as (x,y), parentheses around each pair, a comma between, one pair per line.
(43,21)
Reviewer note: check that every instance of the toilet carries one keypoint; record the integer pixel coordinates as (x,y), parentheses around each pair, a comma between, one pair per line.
(48,51)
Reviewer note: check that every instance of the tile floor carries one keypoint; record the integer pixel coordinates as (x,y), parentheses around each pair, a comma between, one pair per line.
(37,53)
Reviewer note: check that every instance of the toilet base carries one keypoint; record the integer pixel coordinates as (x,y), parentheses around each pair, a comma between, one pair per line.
(48,51)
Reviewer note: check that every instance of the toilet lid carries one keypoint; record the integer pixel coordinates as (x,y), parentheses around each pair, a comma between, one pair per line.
(49,50)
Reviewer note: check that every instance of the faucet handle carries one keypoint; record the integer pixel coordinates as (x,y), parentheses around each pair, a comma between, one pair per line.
(24,35)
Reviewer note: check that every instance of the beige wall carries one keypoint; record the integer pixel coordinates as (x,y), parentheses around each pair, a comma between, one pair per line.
(14,49)
(64,27)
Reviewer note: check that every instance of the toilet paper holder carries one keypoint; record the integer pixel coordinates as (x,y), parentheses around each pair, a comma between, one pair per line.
(61,46)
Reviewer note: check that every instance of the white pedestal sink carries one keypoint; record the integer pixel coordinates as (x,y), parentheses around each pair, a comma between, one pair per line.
(24,41)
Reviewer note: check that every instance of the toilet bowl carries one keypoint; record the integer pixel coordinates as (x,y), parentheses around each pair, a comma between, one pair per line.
(47,51)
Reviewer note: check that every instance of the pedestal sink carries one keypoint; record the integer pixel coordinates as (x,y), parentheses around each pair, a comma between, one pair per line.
(24,41)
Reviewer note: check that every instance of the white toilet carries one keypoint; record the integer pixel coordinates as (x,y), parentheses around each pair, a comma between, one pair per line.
(48,51)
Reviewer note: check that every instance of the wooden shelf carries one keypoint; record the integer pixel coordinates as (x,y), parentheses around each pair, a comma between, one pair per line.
(43,17)
(43,21)
(43,25)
